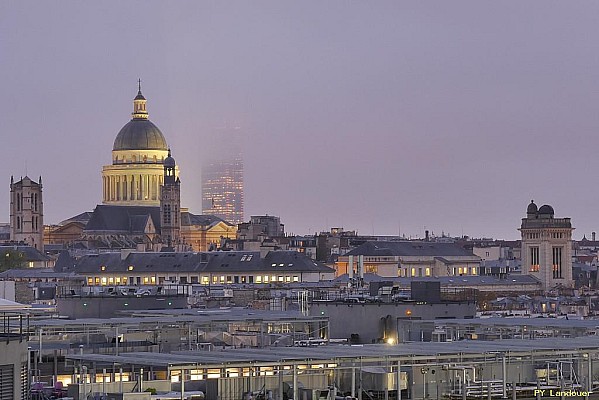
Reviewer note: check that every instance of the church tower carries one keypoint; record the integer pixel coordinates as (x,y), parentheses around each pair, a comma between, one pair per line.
(27,212)
(170,204)
(547,247)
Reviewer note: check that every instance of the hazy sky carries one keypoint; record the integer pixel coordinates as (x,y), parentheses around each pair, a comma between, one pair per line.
(376,116)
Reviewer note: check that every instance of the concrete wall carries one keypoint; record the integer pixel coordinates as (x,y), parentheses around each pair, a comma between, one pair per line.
(13,355)
(23,293)
(373,321)
(108,307)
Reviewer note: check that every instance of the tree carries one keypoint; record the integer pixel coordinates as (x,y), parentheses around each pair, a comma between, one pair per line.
(11,259)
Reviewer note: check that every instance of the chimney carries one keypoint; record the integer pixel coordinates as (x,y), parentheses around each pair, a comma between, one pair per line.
(350,267)
(594,234)
(426,237)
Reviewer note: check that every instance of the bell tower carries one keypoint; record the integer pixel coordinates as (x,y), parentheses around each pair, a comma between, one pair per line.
(170,204)
(27,212)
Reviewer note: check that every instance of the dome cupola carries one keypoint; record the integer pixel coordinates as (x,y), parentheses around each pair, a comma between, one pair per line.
(531,210)
(140,133)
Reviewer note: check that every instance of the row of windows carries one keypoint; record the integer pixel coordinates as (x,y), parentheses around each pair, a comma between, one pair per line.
(427,271)
(553,235)
(144,159)
(204,280)
(34,223)
(379,259)
(556,253)
(34,201)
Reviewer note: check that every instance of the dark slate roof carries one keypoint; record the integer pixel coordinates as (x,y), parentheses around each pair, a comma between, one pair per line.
(126,219)
(37,273)
(479,280)
(293,261)
(93,263)
(84,218)
(452,280)
(411,248)
(188,218)
(233,261)
(65,262)
(140,134)
(29,253)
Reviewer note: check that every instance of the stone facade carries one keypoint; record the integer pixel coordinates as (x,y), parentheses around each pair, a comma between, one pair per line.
(547,247)
(27,212)
(138,155)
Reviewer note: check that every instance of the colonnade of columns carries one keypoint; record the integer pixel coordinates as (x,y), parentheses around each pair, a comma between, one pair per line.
(132,187)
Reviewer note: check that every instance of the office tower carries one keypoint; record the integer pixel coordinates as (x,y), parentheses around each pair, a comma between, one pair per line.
(222,178)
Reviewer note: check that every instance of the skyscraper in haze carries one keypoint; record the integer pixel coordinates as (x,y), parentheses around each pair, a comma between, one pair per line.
(222,178)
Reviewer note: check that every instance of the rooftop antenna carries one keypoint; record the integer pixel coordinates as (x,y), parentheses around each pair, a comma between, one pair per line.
(139,85)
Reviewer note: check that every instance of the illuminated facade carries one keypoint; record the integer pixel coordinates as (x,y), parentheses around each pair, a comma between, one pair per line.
(547,247)
(27,212)
(138,154)
(141,207)
(409,260)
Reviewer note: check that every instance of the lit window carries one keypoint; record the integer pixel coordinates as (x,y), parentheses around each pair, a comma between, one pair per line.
(103,267)
(97,281)
(153,280)
(473,270)
(103,281)
(222,279)
(287,279)
(273,278)
(413,271)
(90,281)
(130,268)
(205,280)
(118,280)
(111,280)
(427,271)
(259,279)
(265,279)
(146,280)
(296,279)
(281,278)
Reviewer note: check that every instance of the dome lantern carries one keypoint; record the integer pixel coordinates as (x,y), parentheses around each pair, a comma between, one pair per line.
(140,133)
(139,104)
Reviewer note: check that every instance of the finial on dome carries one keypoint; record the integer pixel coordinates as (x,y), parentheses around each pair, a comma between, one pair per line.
(169,151)
(139,104)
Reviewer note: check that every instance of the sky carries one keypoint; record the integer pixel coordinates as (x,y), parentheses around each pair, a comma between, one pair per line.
(385,117)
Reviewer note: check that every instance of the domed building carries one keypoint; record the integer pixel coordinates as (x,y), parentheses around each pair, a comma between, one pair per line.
(138,154)
(141,204)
